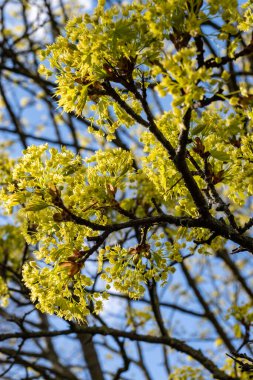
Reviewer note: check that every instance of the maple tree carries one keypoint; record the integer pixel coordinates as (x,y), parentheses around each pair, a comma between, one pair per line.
(158,178)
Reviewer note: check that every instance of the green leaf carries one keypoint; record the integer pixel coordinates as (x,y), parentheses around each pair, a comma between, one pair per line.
(222,156)
(36,205)
(199,128)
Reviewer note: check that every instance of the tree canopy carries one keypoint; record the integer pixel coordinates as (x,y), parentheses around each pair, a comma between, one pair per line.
(146,199)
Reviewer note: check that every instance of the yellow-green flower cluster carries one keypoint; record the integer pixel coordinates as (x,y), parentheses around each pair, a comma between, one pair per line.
(181,78)
(230,151)
(247,18)
(126,44)
(159,168)
(4,293)
(48,187)
(55,292)
(187,373)
(95,45)
(130,269)
(242,312)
